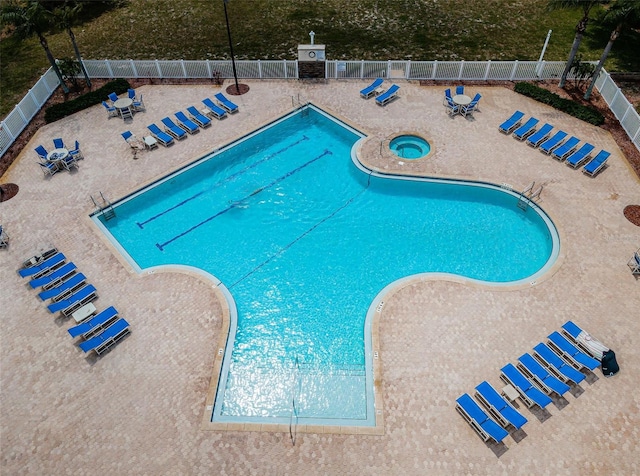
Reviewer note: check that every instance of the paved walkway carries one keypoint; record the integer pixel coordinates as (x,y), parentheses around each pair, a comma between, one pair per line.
(138,410)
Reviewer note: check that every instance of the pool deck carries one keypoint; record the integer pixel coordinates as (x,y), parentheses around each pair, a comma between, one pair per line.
(139,409)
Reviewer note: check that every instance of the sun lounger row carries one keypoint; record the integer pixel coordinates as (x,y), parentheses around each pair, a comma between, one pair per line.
(69,292)
(192,124)
(383,95)
(556,145)
(549,371)
(101,332)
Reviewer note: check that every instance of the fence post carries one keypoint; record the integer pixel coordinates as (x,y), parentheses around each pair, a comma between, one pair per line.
(361,69)
(486,70)
(435,67)
(513,70)
(259,69)
(158,69)
(388,68)
(460,70)
(3,127)
(133,68)
(407,70)
(184,70)
(108,64)
(209,69)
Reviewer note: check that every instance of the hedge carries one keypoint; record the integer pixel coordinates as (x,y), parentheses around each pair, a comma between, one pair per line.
(587,114)
(58,111)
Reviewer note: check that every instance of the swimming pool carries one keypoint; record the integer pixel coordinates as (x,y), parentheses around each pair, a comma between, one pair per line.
(303,240)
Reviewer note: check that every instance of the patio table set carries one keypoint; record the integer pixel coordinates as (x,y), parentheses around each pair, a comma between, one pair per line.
(60,158)
(125,106)
(460,103)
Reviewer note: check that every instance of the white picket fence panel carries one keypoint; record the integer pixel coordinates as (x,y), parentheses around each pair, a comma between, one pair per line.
(22,114)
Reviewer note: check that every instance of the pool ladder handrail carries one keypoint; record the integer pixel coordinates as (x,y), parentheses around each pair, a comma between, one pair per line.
(107,210)
(529,195)
(301,102)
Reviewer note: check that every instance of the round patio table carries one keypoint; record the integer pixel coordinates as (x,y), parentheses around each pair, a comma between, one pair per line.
(461,99)
(57,155)
(123,105)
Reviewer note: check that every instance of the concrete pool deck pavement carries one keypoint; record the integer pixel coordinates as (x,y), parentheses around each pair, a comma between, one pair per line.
(139,409)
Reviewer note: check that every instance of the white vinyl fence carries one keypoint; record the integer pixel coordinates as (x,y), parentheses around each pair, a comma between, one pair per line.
(620,106)
(22,114)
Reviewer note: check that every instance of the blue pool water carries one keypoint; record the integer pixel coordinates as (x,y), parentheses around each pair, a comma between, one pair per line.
(303,240)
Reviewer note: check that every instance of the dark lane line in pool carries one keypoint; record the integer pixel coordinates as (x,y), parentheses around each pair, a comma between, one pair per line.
(255,192)
(141,224)
(285,248)
(230,177)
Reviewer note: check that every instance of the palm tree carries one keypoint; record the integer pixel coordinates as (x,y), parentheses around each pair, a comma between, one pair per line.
(30,17)
(65,16)
(581,27)
(622,14)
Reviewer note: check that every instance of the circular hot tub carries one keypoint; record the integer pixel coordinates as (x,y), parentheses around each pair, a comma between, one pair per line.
(409,147)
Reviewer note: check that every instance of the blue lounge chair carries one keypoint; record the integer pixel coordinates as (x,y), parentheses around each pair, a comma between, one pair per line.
(49,168)
(584,341)
(535,139)
(556,365)
(127,135)
(571,354)
(173,130)
(596,164)
(459,90)
(479,420)
(96,324)
(510,124)
(69,286)
(138,104)
(74,302)
(447,97)
(371,89)
(111,111)
(215,110)
(107,338)
(77,153)
(388,96)
(526,129)
(131,93)
(186,123)
(55,278)
(226,104)
(529,394)
(566,149)
(113,97)
(198,117)
(470,108)
(499,408)
(37,259)
(58,143)
(452,107)
(42,152)
(548,145)
(43,268)
(535,372)
(161,136)
(580,156)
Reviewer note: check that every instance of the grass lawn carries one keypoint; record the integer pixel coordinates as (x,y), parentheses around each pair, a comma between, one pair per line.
(351,29)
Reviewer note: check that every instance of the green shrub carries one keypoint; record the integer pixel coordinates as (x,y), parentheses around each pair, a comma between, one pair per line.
(587,114)
(58,111)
